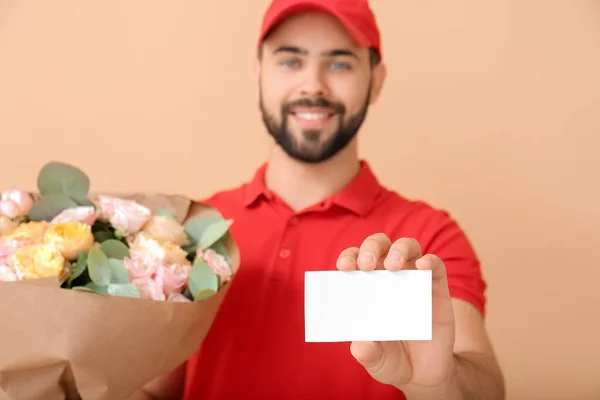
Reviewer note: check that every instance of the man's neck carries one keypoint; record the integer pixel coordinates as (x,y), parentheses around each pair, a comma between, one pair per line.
(303,185)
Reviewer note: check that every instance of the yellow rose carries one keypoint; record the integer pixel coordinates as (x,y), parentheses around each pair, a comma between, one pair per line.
(145,246)
(70,238)
(30,232)
(38,261)
(166,229)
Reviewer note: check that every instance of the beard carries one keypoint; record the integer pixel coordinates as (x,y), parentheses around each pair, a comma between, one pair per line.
(312,148)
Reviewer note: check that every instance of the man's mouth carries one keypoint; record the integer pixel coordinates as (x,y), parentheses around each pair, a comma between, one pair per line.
(312,117)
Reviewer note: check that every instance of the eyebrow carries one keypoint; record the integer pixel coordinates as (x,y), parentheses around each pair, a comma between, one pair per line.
(329,53)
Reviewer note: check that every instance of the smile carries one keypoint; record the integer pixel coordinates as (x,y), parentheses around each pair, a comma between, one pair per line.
(312,118)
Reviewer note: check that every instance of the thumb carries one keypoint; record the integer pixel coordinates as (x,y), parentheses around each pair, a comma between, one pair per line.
(369,354)
(384,361)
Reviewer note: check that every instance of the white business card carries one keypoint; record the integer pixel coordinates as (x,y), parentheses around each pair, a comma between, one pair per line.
(377,305)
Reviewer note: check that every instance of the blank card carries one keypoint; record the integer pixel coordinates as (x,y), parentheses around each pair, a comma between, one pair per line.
(367,306)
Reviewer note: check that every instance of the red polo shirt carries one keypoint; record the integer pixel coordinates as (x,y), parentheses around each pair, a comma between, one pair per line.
(256,348)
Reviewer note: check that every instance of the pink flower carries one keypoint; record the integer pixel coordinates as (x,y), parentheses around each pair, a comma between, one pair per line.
(7,274)
(178,298)
(216,262)
(139,267)
(84,214)
(15,203)
(174,277)
(151,289)
(126,216)
(8,247)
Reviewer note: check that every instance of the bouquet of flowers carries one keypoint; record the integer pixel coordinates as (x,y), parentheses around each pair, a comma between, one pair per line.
(102,293)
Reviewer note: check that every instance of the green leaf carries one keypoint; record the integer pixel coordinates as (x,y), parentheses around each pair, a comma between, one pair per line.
(78,267)
(195,227)
(124,290)
(103,236)
(49,206)
(83,289)
(118,272)
(114,248)
(213,233)
(220,247)
(92,287)
(99,267)
(61,178)
(102,289)
(164,213)
(83,201)
(203,281)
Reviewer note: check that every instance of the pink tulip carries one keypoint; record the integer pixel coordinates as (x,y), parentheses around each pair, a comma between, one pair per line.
(173,277)
(151,289)
(126,216)
(84,214)
(216,262)
(15,203)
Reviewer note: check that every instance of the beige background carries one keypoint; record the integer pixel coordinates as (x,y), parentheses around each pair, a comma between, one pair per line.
(491,110)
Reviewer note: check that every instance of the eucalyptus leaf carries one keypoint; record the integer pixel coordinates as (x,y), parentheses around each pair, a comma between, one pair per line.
(221,248)
(99,267)
(91,287)
(114,248)
(102,289)
(203,282)
(164,213)
(124,290)
(84,202)
(103,236)
(83,289)
(61,178)
(78,267)
(195,227)
(118,272)
(214,233)
(49,206)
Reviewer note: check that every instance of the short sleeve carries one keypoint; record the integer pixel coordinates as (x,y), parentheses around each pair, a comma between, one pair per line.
(443,237)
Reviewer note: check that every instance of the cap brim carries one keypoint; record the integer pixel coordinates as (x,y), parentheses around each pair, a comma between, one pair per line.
(311,6)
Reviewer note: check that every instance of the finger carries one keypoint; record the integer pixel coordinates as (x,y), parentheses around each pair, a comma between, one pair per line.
(369,354)
(373,251)
(437,267)
(347,259)
(384,361)
(403,254)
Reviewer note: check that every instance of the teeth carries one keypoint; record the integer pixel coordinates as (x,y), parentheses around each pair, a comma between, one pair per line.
(312,116)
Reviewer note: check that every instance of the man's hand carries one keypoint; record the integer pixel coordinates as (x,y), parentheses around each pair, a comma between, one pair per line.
(422,363)
(426,369)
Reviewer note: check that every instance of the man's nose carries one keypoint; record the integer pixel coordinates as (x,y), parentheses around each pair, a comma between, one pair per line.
(314,83)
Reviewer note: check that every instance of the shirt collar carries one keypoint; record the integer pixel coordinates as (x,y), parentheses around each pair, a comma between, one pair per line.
(358,196)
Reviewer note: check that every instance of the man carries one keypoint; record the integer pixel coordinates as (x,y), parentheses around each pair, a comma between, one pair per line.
(315,205)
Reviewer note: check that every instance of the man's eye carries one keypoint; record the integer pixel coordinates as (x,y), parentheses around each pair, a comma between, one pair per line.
(290,63)
(340,65)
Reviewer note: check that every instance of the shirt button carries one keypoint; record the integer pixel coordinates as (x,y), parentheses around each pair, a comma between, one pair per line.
(284,253)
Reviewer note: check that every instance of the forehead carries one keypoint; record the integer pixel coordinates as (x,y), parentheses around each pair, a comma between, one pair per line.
(311,31)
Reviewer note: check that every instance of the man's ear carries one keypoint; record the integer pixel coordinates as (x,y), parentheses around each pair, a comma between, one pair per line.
(379,74)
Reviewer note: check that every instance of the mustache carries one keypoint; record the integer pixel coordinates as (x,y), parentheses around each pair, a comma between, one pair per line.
(319,102)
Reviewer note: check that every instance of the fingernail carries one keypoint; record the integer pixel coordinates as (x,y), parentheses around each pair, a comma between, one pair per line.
(365,258)
(395,256)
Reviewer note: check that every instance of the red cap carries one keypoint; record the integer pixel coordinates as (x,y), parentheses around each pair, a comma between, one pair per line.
(356,16)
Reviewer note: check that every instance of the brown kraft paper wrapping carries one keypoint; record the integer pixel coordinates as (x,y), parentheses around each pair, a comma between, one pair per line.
(64,344)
